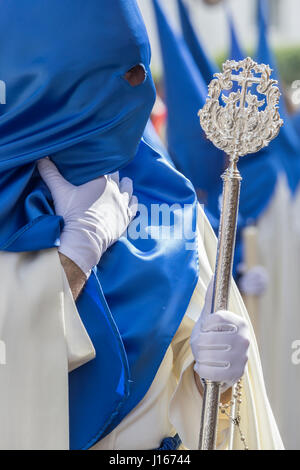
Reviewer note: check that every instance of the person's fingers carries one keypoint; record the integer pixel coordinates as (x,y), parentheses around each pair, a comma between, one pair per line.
(115,177)
(126,186)
(133,206)
(216,373)
(50,174)
(126,189)
(208,300)
(126,199)
(226,323)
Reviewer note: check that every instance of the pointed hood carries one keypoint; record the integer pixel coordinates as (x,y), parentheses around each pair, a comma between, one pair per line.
(186,93)
(259,171)
(264,53)
(206,66)
(287,144)
(235,49)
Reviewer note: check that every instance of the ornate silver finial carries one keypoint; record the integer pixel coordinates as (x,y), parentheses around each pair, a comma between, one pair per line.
(239,127)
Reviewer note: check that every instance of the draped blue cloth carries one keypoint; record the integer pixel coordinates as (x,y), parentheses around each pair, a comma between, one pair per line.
(186,91)
(204,63)
(296,122)
(63,64)
(264,53)
(146,293)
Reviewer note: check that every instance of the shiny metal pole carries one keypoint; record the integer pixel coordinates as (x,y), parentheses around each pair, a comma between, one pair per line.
(226,244)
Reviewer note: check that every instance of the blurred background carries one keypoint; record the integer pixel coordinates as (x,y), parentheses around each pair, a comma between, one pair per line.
(190,40)
(210,24)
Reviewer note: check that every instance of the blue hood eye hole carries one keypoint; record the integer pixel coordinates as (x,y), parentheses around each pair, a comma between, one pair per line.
(136,75)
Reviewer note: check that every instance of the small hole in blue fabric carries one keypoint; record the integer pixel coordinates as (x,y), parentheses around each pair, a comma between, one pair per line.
(136,75)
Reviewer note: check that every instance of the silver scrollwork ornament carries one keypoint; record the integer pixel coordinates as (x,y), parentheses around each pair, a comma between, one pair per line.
(239,127)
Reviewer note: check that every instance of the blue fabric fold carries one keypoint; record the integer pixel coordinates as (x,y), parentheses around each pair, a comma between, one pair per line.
(286,147)
(63,64)
(186,91)
(236,51)
(204,63)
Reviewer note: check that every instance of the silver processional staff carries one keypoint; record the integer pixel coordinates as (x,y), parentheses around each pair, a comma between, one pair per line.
(238,128)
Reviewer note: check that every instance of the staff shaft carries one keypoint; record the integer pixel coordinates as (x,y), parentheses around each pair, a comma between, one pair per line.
(222,279)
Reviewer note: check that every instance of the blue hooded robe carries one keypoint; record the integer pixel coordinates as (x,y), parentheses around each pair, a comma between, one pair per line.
(186,91)
(204,63)
(286,147)
(63,63)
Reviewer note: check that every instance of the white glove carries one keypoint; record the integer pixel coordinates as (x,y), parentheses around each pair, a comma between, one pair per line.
(220,344)
(96,213)
(254,281)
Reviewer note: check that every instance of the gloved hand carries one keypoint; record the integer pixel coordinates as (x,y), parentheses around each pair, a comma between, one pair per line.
(220,344)
(96,213)
(254,281)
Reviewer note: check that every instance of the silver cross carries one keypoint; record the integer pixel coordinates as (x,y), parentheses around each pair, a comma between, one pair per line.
(245,81)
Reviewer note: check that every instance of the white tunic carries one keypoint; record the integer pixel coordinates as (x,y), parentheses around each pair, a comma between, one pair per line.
(42,330)
(172,404)
(278,318)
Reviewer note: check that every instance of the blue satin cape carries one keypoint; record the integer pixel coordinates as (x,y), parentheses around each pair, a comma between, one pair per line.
(63,64)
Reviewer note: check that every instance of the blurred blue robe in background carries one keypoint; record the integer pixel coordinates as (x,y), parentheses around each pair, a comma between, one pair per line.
(204,63)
